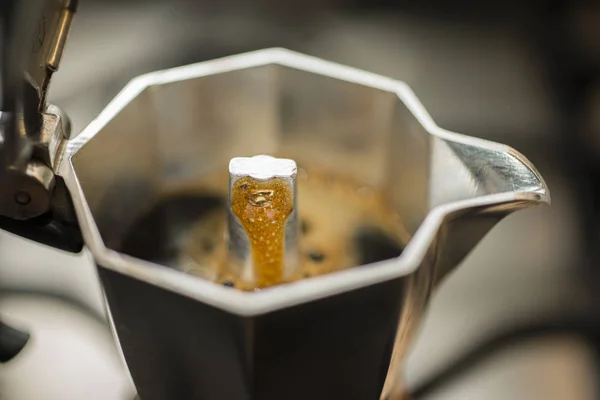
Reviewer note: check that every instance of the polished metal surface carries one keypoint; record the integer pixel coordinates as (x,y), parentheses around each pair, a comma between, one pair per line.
(32,132)
(48,44)
(36,35)
(173,127)
(27,194)
(36,181)
(49,144)
(277,178)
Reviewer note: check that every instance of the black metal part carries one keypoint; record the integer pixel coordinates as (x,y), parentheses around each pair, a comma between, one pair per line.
(338,347)
(57,228)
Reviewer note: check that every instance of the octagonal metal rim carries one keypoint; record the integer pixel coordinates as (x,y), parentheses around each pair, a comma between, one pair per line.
(248,304)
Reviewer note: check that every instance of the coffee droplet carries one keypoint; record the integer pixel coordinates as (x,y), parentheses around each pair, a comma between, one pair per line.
(263,207)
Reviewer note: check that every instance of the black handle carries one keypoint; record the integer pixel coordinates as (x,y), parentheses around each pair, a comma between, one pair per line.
(12,341)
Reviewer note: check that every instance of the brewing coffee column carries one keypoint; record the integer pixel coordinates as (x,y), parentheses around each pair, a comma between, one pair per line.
(262,221)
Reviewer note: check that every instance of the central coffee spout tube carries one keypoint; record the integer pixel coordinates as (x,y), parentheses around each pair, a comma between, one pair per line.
(262,221)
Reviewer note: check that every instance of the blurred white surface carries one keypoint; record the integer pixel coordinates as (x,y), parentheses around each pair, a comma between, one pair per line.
(30,267)
(70,355)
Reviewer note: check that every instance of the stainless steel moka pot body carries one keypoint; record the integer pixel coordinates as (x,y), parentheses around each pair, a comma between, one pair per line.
(337,335)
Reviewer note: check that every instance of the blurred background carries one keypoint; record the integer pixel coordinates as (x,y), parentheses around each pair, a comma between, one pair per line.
(522,73)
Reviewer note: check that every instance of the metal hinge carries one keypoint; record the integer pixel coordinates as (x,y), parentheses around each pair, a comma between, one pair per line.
(36,134)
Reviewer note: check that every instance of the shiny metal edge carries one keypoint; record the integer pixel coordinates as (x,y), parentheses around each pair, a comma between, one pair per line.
(249,304)
(544,191)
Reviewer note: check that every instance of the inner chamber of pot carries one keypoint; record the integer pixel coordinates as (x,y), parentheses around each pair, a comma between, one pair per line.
(344,223)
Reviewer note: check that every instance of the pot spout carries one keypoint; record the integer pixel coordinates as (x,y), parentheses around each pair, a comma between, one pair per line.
(476,183)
